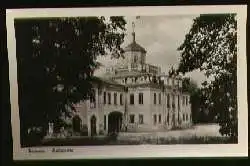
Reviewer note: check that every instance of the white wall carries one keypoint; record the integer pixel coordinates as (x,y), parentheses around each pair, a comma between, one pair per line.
(147,109)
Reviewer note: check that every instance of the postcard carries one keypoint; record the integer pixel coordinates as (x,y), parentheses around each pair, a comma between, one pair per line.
(128,82)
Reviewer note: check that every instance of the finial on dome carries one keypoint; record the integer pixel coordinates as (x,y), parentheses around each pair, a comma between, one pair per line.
(133,32)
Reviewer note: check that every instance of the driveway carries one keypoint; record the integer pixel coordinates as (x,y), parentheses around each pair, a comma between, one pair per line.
(211,130)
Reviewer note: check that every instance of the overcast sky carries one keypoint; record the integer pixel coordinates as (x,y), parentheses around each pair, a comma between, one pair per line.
(160,36)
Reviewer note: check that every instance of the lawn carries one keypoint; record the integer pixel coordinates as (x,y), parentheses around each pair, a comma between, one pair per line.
(199,134)
(88,141)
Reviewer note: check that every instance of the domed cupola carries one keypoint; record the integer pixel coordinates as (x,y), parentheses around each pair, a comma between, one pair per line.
(134,53)
(134,47)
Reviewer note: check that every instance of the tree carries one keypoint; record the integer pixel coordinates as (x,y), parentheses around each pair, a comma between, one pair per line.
(197,100)
(56,58)
(210,46)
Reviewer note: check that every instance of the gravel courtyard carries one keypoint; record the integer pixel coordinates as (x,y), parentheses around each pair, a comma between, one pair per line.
(206,130)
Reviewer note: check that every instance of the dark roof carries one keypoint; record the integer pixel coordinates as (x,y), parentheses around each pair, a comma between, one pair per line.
(135,47)
(130,74)
(104,80)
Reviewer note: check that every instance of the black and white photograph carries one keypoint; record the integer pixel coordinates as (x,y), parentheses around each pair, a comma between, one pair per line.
(121,80)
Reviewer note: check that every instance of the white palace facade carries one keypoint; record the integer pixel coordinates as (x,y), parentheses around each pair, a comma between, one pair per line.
(134,97)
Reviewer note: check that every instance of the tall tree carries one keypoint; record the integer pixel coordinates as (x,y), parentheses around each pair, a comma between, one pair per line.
(210,46)
(197,100)
(56,59)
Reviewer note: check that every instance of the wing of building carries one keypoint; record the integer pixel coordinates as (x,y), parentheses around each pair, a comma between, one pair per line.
(133,97)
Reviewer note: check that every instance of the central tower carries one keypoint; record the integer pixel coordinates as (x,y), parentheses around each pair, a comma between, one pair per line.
(134,53)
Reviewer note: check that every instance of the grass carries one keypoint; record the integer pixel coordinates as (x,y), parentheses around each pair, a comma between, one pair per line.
(108,140)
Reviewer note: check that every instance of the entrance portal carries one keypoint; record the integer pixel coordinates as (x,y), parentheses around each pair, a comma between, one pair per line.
(76,124)
(114,122)
(93,125)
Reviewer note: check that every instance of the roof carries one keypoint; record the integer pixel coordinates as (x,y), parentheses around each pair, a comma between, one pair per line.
(135,47)
(130,74)
(106,81)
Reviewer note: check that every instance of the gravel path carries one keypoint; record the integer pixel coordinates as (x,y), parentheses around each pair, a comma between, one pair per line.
(197,130)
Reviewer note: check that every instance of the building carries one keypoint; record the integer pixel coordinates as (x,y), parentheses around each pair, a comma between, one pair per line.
(134,97)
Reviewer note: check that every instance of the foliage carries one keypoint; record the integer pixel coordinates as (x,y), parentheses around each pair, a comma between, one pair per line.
(198,101)
(56,59)
(210,46)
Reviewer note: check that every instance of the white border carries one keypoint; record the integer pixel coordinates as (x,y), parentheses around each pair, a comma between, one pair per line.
(138,151)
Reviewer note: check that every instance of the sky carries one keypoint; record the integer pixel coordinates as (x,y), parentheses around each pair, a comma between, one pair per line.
(160,36)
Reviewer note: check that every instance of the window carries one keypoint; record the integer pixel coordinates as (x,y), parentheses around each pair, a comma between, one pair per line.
(141,119)
(183,117)
(135,58)
(160,118)
(104,97)
(109,98)
(140,98)
(115,98)
(104,122)
(186,117)
(154,98)
(186,100)
(121,99)
(92,99)
(168,100)
(173,101)
(159,98)
(183,100)
(168,118)
(178,117)
(131,99)
(155,119)
(131,118)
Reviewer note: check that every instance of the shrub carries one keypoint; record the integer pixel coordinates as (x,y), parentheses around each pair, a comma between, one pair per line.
(101,132)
